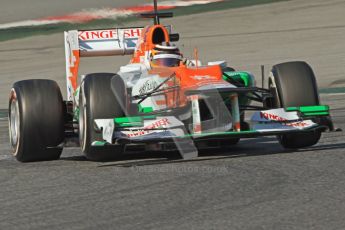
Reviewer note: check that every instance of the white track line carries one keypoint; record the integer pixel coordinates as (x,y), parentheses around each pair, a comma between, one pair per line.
(108,13)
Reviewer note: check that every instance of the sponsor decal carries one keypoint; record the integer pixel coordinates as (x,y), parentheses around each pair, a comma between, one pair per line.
(206,77)
(272,117)
(148,86)
(269,127)
(161,123)
(275,115)
(137,133)
(300,124)
(97,35)
(279,120)
(109,34)
(132,33)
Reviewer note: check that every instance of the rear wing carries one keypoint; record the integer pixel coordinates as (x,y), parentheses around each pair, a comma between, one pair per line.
(93,43)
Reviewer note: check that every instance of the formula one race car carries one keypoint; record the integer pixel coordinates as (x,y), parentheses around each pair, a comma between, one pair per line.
(159,101)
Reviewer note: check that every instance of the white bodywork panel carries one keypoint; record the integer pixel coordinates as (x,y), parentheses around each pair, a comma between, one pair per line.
(159,127)
(279,120)
(107,126)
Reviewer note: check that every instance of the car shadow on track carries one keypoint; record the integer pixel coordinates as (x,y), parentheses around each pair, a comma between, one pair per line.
(246,148)
(323,147)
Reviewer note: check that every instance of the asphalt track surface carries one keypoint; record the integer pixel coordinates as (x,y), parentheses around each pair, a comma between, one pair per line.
(255,185)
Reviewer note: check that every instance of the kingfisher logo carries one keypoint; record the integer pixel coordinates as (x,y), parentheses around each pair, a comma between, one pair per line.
(109,34)
(276,118)
(132,33)
(272,117)
(97,35)
(162,123)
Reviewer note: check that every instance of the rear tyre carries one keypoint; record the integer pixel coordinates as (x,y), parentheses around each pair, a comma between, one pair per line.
(97,101)
(293,84)
(36,120)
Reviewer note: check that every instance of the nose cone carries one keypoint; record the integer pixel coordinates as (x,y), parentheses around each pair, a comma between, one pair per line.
(197,77)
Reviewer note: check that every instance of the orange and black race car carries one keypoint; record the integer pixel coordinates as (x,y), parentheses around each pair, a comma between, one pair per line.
(161,100)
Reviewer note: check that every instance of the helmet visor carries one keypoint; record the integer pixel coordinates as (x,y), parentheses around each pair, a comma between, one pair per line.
(168,62)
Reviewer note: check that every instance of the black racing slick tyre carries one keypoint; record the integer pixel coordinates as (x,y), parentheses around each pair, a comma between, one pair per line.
(36,120)
(293,84)
(97,101)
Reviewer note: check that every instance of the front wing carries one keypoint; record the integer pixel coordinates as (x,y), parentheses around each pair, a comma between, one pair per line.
(156,129)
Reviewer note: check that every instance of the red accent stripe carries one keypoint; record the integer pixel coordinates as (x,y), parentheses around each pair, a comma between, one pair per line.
(147,8)
(80,17)
(83,17)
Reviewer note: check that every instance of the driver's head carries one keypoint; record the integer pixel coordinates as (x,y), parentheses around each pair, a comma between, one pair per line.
(165,55)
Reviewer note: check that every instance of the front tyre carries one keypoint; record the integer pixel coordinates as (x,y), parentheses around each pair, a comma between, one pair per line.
(293,84)
(36,120)
(97,101)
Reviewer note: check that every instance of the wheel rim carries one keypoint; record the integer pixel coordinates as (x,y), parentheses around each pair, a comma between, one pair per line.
(14,123)
(81,126)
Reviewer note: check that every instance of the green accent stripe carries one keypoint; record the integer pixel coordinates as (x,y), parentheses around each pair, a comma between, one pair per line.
(317,110)
(146,109)
(132,121)
(142,109)
(123,125)
(239,76)
(99,143)
(128,119)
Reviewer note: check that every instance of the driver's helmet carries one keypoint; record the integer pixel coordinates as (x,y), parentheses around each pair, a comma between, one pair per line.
(165,55)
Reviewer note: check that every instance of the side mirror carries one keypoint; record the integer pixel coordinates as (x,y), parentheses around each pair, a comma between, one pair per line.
(174,37)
